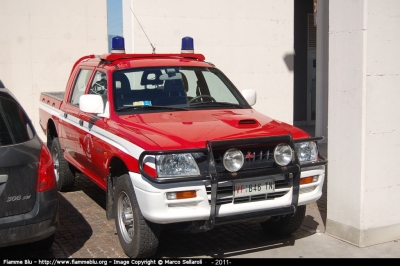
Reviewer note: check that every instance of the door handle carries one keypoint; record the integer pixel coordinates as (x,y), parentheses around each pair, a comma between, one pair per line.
(81,123)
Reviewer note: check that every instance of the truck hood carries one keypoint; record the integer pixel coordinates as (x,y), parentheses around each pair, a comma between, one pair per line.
(192,129)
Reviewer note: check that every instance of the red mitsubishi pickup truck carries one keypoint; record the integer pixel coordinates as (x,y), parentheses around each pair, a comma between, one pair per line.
(176,146)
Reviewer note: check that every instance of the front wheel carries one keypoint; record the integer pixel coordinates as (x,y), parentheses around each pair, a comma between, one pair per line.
(138,237)
(65,175)
(285,225)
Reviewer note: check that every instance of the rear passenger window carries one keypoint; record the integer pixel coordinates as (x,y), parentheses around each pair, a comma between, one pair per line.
(80,85)
(15,126)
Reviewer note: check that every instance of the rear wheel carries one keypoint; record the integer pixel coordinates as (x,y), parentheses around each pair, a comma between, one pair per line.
(138,237)
(285,225)
(65,175)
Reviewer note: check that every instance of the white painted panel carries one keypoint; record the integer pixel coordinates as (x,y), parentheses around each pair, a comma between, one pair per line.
(381,208)
(60,28)
(17,77)
(17,7)
(70,8)
(382,179)
(346,103)
(14,43)
(383,38)
(248,41)
(364,120)
(45,40)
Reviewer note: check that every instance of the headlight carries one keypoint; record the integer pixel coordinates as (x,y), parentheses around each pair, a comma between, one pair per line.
(174,165)
(306,152)
(233,160)
(283,154)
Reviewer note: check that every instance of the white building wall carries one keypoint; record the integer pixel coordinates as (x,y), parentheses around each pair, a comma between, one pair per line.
(247,40)
(364,121)
(40,41)
(382,128)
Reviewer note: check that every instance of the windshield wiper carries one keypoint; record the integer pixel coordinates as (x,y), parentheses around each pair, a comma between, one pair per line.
(151,107)
(216,104)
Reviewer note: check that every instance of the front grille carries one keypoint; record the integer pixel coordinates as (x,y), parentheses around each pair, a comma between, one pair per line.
(269,196)
(225,191)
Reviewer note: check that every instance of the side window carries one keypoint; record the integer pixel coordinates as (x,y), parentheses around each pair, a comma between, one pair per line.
(218,89)
(134,80)
(99,84)
(15,126)
(80,85)
(191,82)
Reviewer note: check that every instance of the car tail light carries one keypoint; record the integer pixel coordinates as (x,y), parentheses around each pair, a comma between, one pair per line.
(46,176)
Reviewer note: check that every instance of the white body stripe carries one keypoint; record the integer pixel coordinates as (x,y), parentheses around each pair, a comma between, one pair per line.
(51,110)
(112,139)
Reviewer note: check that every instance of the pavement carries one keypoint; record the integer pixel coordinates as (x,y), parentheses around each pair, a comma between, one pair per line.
(85,232)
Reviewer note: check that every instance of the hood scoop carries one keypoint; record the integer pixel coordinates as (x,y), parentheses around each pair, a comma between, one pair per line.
(248,123)
(237,120)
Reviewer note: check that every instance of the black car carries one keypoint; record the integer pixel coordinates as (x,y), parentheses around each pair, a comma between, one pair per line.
(28,193)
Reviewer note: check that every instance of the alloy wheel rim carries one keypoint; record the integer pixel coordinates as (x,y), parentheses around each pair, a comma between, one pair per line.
(125,217)
(56,164)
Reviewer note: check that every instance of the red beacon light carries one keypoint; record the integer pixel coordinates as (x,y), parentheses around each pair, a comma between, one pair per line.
(118,45)
(187,45)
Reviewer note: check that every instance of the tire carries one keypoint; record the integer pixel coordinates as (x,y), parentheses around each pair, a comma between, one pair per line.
(287,224)
(65,175)
(139,238)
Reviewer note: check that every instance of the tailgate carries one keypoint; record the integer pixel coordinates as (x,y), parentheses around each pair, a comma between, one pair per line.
(18,177)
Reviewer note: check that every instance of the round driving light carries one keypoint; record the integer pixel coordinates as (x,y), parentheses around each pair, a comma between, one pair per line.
(233,160)
(283,154)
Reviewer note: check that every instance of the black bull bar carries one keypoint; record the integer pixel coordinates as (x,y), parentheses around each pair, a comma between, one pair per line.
(214,177)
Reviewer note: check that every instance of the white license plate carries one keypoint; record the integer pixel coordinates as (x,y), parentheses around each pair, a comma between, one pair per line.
(255,187)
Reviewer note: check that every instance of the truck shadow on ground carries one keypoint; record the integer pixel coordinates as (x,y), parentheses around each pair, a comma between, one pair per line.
(84,232)
(221,242)
(74,230)
(94,192)
(226,241)
(25,251)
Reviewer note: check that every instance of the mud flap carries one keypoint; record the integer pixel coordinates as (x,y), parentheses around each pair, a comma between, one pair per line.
(109,199)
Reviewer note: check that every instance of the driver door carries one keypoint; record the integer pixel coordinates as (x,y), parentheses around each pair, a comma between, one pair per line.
(94,158)
(71,130)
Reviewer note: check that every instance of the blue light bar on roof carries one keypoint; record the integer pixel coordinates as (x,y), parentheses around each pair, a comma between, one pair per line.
(187,45)
(118,45)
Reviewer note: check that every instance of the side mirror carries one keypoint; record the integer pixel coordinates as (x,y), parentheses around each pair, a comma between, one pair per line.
(91,103)
(250,96)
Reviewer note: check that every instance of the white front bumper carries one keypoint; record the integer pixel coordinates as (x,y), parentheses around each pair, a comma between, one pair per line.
(156,208)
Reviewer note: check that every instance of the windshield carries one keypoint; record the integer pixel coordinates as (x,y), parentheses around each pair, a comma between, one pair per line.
(178,88)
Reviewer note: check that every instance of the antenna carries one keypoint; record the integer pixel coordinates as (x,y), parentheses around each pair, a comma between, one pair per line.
(154,49)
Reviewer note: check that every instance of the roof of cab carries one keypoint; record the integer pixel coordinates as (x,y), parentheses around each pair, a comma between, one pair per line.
(123,61)
(114,57)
